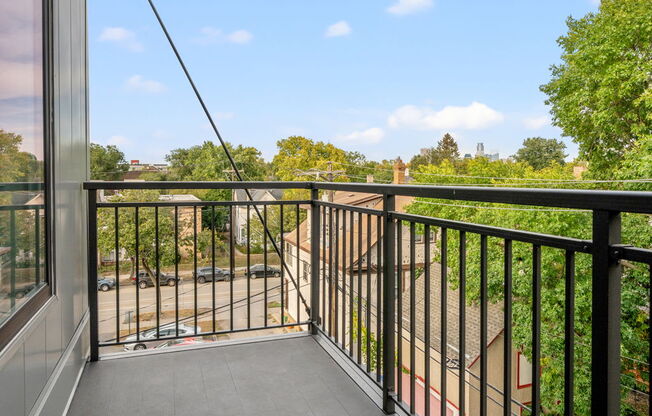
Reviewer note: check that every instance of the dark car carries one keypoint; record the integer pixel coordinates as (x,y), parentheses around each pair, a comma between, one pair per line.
(258,270)
(205,274)
(145,281)
(105,284)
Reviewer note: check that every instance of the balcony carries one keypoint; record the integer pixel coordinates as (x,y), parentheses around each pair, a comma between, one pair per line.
(343,305)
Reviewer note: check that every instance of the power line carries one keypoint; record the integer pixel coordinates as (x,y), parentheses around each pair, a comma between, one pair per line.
(503,208)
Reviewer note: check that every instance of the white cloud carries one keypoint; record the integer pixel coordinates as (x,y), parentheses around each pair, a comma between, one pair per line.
(122,37)
(240,36)
(472,117)
(535,123)
(369,136)
(138,83)
(118,141)
(226,115)
(212,35)
(403,7)
(340,28)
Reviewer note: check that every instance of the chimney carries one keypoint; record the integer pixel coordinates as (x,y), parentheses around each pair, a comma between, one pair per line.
(399,171)
(370,178)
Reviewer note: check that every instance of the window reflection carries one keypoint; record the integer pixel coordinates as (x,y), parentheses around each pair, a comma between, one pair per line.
(22,149)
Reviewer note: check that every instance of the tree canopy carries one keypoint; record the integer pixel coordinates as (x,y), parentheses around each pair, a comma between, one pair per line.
(446,149)
(600,93)
(107,163)
(540,153)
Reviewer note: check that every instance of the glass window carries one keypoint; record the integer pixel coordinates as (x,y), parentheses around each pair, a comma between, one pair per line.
(22,155)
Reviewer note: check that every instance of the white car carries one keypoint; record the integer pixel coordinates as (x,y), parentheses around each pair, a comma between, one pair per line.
(167,330)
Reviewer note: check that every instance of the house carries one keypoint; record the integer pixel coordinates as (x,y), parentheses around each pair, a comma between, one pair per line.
(240,217)
(365,256)
(521,369)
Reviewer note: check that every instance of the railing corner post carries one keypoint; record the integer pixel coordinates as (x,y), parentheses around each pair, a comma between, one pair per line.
(92,273)
(605,338)
(314,261)
(388,304)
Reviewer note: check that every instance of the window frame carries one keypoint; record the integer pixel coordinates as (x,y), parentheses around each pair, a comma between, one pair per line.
(25,312)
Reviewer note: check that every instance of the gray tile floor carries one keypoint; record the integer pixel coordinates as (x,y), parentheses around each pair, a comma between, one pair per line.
(281,377)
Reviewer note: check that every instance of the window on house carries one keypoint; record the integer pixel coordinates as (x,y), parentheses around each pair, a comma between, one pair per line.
(23,157)
(524,372)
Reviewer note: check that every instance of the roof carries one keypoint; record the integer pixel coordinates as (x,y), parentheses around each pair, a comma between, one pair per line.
(258,194)
(472,321)
(179,198)
(359,199)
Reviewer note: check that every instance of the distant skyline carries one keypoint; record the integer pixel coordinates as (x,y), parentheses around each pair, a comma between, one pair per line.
(385,78)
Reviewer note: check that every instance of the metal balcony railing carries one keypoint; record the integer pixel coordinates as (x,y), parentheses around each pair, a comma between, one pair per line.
(352,277)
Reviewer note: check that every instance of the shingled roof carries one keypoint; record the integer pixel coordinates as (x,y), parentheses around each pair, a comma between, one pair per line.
(358,199)
(472,322)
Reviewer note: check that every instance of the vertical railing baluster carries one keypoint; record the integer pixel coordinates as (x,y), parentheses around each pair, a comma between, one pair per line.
(462,325)
(426,311)
(399,310)
(213,266)
(331,303)
(443,346)
(351,283)
(344,280)
(379,296)
(359,299)
(605,302)
(281,231)
(323,270)
(249,265)
(483,325)
(232,211)
(157,265)
(314,261)
(176,270)
(368,302)
(413,321)
(116,223)
(507,334)
(37,245)
(265,266)
(92,270)
(389,304)
(194,262)
(137,260)
(569,335)
(536,329)
(298,224)
(337,278)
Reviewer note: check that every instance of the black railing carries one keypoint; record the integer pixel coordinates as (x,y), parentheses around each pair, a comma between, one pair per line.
(382,285)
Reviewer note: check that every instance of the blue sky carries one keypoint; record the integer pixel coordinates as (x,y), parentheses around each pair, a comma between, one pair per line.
(384,77)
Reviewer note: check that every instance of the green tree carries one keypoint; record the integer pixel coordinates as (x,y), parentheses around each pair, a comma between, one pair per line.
(208,162)
(635,282)
(107,163)
(17,165)
(297,154)
(446,149)
(601,95)
(540,153)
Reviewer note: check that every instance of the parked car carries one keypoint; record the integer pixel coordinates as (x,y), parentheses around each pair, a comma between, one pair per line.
(181,342)
(167,330)
(258,270)
(105,284)
(205,274)
(144,280)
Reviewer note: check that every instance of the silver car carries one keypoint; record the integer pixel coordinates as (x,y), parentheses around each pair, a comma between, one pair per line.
(167,330)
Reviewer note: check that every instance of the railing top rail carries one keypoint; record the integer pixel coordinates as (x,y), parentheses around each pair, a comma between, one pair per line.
(622,201)
(116,185)
(21,186)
